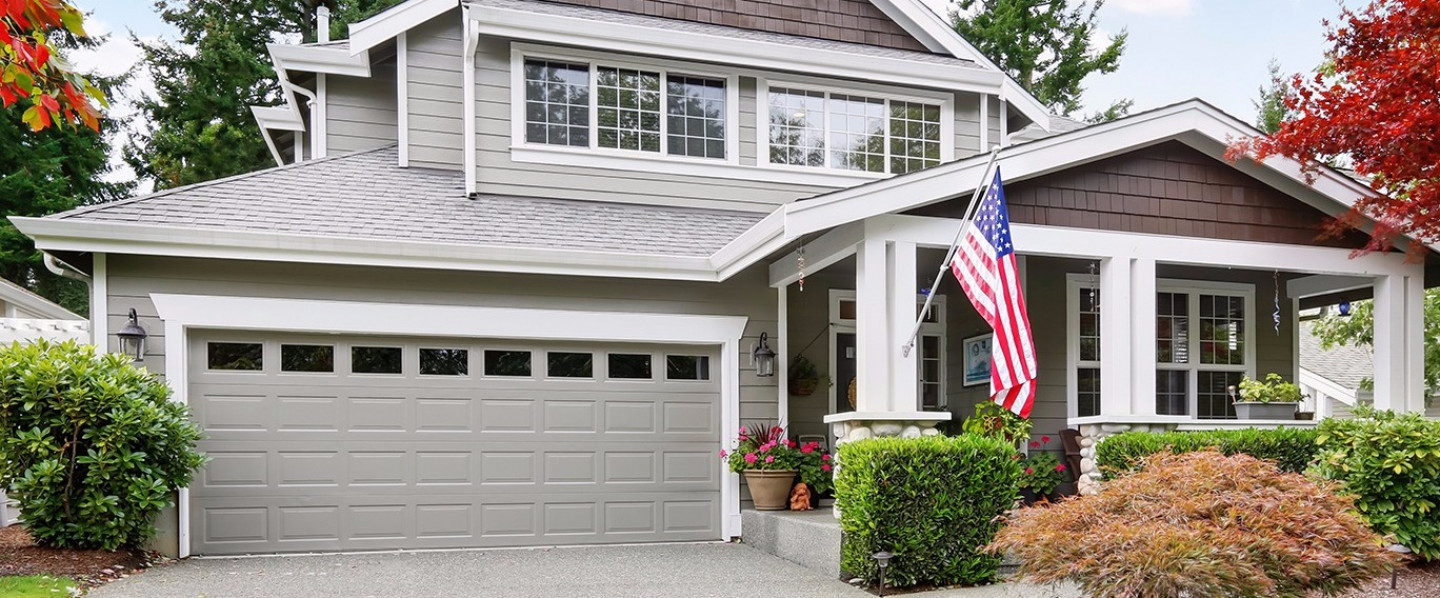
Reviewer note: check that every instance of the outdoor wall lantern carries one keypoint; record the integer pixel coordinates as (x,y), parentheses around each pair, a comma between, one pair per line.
(764,357)
(882,559)
(132,338)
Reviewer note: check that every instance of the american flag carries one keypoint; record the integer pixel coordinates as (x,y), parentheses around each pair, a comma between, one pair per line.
(985,265)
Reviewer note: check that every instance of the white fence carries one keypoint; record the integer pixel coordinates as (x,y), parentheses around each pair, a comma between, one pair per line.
(9,511)
(26,330)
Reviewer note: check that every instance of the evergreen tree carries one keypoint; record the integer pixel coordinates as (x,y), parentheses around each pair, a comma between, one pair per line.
(198,123)
(1270,107)
(1045,45)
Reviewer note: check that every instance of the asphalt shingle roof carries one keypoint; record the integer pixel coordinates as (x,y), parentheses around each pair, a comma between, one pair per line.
(612,16)
(1345,365)
(368,195)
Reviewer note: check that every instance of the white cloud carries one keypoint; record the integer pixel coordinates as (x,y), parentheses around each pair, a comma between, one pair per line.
(1154,7)
(117,55)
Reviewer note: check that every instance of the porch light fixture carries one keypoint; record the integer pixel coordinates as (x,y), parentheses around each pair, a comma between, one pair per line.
(882,559)
(132,338)
(764,357)
(1344,308)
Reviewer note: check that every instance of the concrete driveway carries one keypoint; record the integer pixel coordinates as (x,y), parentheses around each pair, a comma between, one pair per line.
(657,570)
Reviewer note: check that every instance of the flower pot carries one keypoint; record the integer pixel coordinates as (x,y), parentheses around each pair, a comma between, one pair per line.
(770,489)
(803,387)
(1254,410)
(1305,415)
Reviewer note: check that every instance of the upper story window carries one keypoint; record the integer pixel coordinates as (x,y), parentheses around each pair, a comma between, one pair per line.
(853,132)
(633,109)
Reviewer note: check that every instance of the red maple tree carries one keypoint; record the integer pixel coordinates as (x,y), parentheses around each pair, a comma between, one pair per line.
(1377,105)
(32,69)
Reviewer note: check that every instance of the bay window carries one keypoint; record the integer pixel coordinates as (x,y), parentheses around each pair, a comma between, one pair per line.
(1203,336)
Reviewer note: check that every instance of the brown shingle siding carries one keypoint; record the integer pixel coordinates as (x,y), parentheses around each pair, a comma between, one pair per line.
(856,21)
(1166,189)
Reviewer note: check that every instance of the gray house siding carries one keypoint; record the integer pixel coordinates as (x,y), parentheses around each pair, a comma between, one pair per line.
(361,112)
(132,279)
(434,65)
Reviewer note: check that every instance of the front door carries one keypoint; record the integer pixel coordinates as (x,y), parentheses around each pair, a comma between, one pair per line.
(844,370)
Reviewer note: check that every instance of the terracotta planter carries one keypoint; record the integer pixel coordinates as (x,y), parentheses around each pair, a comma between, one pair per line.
(770,489)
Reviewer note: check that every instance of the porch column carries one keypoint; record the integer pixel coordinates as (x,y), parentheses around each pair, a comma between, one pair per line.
(872,338)
(782,352)
(1399,343)
(904,369)
(1116,364)
(1142,335)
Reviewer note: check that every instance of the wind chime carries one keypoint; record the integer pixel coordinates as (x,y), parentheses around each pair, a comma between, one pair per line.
(1094,289)
(800,265)
(1276,279)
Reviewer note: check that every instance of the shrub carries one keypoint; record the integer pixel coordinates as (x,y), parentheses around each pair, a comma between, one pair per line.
(1391,465)
(994,421)
(933,502)
(90,445)
(1292,449)
(1200,524)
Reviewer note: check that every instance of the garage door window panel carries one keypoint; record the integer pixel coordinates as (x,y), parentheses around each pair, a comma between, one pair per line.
(630,366)
(687,367)
(445,362)
(376,360)
(514,364)
(562,364)
(307,358)
(245,357)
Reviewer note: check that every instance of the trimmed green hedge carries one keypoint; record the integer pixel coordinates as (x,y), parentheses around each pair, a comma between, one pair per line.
(1292,449)
(933,502)
(1391,464)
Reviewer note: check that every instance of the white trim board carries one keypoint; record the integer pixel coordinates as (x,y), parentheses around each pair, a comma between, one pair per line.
(183,313)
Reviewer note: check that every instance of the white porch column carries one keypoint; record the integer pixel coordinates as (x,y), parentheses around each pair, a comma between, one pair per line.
(1116,363)
(782,352)
(1142,336)
(872,338)
(904,369)
(1399,343)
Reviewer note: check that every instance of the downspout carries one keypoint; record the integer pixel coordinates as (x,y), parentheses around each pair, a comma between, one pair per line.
(311,103)
(471,43)
(60,268)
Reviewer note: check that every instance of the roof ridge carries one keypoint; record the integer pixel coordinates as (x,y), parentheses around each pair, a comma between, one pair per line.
(202,184)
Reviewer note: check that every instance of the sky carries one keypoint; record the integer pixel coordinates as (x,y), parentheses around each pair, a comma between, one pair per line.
(1216,50)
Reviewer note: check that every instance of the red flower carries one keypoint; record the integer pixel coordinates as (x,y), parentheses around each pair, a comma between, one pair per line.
(1015,457)
(807,449)
(751,458)
(824,467)
(777,430)
(1034,444)
(723,454)
(824,457)
(1029,471)
(1060,467)
(1045,439)
(789,443)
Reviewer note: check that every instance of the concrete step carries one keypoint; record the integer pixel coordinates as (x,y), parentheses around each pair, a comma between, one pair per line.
(807,538)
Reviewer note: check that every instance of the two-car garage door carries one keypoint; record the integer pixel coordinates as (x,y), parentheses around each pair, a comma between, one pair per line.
(360,443)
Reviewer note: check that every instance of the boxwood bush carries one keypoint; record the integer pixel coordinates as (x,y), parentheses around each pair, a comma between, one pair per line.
(1291,449)
(90,445)
(1391,465)
(933,502)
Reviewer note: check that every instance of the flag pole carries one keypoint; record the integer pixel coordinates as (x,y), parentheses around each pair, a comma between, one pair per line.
(950,254)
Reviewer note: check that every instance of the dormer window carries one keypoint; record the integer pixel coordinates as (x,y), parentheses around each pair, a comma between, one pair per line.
(855,132)
(612,107)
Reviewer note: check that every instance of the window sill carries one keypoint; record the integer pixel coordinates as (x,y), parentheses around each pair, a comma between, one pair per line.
(659,164)
(1187,423)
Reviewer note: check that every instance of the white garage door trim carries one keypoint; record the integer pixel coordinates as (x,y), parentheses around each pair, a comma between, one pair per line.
(184,312)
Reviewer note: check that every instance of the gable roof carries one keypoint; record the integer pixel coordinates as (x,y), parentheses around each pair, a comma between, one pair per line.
(1345,366)
(41,307)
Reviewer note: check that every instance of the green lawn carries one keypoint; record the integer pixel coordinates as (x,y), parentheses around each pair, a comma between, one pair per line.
(35,586)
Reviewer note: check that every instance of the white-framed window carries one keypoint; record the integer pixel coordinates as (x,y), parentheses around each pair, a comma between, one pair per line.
(863,130)
(929,345)
(577,100)
(1204,345)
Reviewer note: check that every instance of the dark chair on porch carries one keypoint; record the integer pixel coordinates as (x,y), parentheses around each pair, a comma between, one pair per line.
(1070,438)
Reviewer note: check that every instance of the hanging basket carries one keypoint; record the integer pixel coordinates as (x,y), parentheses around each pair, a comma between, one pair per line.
(803,387)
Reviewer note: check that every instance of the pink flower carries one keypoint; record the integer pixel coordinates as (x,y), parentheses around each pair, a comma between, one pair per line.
(770,459)
(751,458)
(824,457)
(824,467)
(723,454)
(1029,471)
(807,449)
(742,430)
(1045,439)
(1060,467)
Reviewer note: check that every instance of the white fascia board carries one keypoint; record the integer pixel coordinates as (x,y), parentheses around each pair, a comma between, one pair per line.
(385,26)
(681,45)
(1328,387)
(278,118)
(320,59)
(124,238)
(753,245)
(932,30)
(1314,286)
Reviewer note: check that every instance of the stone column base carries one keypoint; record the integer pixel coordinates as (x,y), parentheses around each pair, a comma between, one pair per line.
(1090,478)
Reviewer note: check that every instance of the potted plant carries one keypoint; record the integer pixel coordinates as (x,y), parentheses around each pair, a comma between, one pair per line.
(816,471)
(1041,475)
(993,421)
(770,461)
(1271,398)
(804,377)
